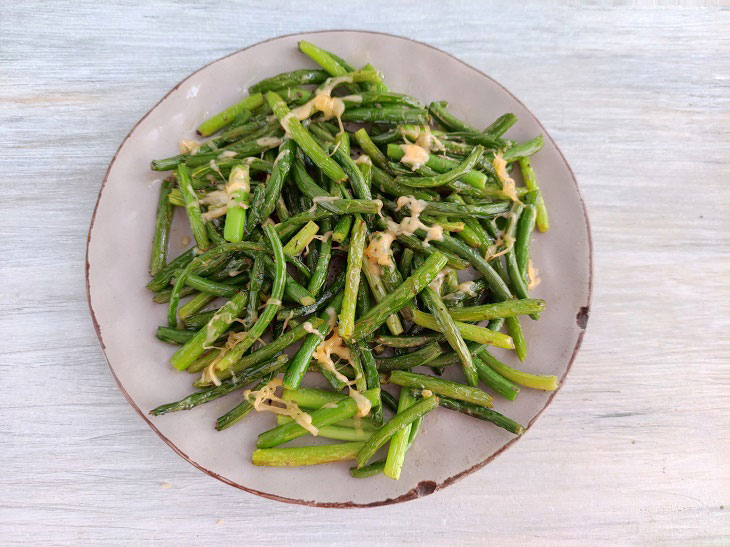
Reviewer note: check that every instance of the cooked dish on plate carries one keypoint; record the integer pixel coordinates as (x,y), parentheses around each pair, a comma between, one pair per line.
(346,230)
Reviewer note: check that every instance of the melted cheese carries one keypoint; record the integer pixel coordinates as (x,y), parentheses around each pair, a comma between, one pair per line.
(409,132)
(438,281)
(189,147)
(234,338)
(209,375)
(283,153)
(331,83)
(331,107)
(223,315)
(213,214)
(467,287)
(332,314)
(273,302)
(334,150)
(412,223)
(307,326)
(286,408)
(363,404)
(434,233)
(428,140)
(239,180)
(378,250)
(214,167)
(323,237)
(352,98)
(533,280)
(216,198)
(507,243)
(332,346)
(218,201)
(426,393)
(364,160)
(286,119)
(227,154)
(462,288)
(416,206)
(323,354)
(414,155)
(508,184)
(268,141)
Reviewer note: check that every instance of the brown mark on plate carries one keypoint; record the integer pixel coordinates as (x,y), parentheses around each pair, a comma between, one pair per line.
(582,318)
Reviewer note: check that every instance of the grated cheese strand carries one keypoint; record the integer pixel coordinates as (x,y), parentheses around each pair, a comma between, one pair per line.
(332,314)
(508,184)
(215,213)
(507,242)
(214,167)
(438,281)
(268,141)
(286,321)
(287,408)
(308,327)
(323,237)
(324,351)
(209,374)
(334,345)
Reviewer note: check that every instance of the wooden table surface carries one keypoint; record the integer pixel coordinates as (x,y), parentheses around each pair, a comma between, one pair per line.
(635,449)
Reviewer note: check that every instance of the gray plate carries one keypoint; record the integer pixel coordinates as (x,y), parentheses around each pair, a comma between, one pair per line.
(451,445)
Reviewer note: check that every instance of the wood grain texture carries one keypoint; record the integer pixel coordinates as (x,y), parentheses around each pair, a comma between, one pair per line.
(635,447)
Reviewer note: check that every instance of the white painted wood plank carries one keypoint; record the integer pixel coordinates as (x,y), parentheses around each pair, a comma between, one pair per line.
(634,450)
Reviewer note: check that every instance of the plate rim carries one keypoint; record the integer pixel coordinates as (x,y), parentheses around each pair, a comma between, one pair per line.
(425,487)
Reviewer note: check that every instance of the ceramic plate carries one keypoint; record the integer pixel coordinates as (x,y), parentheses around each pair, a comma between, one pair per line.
(451,445)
